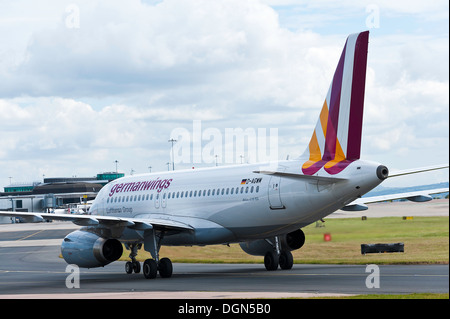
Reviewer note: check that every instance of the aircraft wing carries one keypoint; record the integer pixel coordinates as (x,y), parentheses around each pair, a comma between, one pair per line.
(106,221)
(416,196)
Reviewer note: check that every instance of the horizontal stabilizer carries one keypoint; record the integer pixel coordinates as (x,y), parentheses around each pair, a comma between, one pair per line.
(417,196)
(324,179)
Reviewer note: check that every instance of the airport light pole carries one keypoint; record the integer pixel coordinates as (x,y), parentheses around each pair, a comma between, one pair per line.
(173,161)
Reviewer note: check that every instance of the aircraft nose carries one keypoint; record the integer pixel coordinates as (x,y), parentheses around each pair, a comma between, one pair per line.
(382,172)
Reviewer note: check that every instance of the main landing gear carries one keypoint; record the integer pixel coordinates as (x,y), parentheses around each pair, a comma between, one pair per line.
(276,257)
(150,267)
(272,260)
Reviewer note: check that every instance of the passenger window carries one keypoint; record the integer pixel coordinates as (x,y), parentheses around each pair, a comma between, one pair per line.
(209,192)
(204,192)
(181,195)
(228,190)
(178,194)
(251,189)
(195,193)
(164,196)
(246,190)
(213,192)
(151,196)
(232,191)
(168,196)
(190,194)
(223,191)
(242,189)
(257,188)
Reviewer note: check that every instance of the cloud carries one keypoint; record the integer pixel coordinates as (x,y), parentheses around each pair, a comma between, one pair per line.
(74,98)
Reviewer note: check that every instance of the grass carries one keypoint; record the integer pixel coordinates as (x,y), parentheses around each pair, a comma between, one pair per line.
(426,241)
(396,296)
(412,296)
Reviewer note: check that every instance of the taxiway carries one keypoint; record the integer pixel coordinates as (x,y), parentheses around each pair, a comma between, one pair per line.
(30,268)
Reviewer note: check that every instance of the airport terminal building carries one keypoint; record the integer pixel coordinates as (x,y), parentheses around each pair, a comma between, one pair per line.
(67,193)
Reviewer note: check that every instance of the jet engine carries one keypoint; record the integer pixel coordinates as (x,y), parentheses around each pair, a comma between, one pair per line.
(288,242)
(89,250)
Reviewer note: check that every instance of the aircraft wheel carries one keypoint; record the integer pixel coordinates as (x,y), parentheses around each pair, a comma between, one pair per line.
(271,260)
(150,268)
(286,260)
(165,268)
(128,267)
(136,267)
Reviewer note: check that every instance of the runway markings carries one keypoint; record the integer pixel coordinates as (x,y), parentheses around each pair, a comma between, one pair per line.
(40,231)
(31,242)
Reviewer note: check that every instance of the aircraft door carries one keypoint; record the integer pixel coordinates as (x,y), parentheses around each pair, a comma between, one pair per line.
(274,193)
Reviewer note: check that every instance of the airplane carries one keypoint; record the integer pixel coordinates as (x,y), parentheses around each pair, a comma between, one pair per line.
(263,206)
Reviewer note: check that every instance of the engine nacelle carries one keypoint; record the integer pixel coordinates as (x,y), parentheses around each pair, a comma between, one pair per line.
(290,241)
(89,250)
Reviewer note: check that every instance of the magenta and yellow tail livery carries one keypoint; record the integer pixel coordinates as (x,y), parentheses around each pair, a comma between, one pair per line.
(336,141)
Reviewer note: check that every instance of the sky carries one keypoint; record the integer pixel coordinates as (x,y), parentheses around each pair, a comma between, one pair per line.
(87,83)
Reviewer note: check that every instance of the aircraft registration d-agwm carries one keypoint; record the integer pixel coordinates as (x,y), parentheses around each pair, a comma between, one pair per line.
(262,207)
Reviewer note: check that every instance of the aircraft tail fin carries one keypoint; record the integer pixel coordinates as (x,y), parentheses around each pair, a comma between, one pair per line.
(336,140)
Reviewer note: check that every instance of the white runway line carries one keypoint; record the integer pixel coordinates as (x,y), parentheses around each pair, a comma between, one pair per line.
(176,295)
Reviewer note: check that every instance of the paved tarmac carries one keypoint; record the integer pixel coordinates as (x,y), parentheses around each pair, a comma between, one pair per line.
(28,271)
(30,268)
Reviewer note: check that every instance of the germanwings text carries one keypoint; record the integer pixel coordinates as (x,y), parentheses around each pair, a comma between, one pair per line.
(158,184)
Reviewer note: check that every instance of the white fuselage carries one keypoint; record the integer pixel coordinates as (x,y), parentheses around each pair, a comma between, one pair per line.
(232,204)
